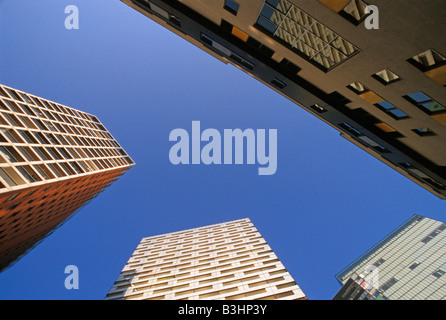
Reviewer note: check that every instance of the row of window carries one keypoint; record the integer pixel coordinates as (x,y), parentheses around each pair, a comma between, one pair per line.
(75,152)
(22,174)
(418,99)
(303,34)
(47,105)
(17,118)
(19,153)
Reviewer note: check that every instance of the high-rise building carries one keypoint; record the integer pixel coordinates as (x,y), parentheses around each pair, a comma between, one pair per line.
(225,261)
(53,160)
(408,264)
(383,89)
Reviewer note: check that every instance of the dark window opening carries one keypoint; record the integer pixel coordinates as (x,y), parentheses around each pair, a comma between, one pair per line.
(289,66)
(389,284)
(278,83)
(231,6)
(413,266)
(424,132)
(339,98)
(438,273)
(260,47)
(350,129)
(226,26)
(174,20)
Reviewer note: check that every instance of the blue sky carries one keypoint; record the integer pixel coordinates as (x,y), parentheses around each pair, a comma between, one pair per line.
(328,202)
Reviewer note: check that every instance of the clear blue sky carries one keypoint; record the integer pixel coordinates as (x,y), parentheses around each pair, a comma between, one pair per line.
(328,202)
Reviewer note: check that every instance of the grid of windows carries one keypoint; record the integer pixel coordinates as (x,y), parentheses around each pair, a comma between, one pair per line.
(42,140)
(304,34)
(227,261)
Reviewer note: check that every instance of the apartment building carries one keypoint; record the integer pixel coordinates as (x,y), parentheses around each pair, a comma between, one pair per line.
(382,88)
(225,261)
(53,160)
(408,264)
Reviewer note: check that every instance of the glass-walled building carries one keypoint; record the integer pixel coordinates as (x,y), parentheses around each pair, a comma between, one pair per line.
(408,264)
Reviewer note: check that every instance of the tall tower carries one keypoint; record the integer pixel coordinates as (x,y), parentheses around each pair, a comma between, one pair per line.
(225,261)
(408,264)
(351,65)
(53,160)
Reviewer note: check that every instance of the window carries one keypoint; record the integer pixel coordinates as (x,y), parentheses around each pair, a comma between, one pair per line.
(11,177)
(366,140)
(13,120)
(13,94)
(303,34)
(434,233)
(386,77)
(289,66)
(428,59)
(354,11)
(28,154)
(391,110)
(357,87)
(159,11)
(209,41)
(318,108)
(425,103)
(350,129)
(339,98)
(365,94)
(389,284)
(413,266)
(176,21)
(11,154)
(278,83)
(12,197)
(379,262)
(424,132)
(231,6)
(44,172)
(11,135)
(28,173)
(438,273)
